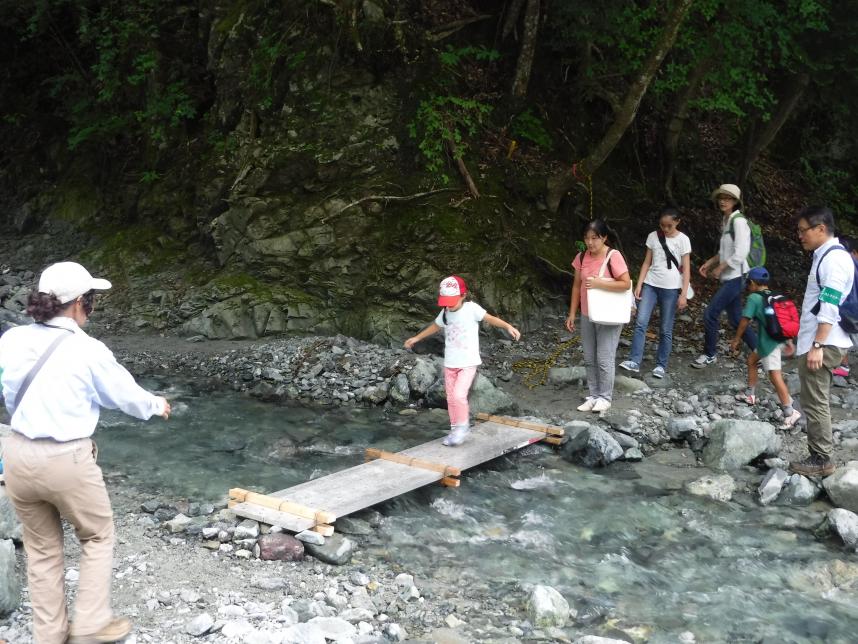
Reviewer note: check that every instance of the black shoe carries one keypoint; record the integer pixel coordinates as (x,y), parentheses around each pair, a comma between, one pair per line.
(813,465)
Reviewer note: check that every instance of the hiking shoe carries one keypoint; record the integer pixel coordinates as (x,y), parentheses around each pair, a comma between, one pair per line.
(703,361)
(630,365)
(116,631)
(842,371)
(791,420)
(587,405)
(813,465)
(749,399)
(456,436)
(601,405)
(658,372)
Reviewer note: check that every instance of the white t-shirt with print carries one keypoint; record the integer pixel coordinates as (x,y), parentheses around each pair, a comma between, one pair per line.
(659,275)
(462,335)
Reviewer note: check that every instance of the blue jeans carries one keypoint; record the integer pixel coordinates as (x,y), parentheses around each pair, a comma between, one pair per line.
(727,298)
(666,298)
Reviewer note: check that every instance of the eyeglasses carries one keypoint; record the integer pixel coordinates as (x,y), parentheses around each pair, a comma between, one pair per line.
(803,230)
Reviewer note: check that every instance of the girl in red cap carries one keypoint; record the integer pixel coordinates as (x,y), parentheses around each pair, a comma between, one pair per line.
(461,323)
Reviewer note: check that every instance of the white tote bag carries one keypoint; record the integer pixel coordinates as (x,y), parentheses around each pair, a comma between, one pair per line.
(609,307)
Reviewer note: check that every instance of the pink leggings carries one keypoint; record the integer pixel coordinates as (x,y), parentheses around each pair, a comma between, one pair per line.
(457,382)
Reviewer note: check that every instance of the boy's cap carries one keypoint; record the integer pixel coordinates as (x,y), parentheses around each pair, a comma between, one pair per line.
(729,189)
(69,280)
(452,288)
(759,274)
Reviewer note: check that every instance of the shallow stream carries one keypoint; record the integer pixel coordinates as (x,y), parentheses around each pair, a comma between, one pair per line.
(624,545)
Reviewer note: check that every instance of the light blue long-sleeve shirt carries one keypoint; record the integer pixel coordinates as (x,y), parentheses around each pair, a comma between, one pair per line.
(80,377)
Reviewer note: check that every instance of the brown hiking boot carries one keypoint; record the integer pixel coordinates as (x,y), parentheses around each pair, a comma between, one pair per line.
(116,631)
(813,465)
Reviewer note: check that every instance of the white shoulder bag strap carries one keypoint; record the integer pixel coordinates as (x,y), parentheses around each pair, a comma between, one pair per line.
(28,379)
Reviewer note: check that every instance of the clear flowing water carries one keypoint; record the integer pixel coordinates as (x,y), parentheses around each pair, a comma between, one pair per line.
(623,544)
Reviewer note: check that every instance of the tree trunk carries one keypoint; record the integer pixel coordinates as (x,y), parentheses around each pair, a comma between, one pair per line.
(760,139)
(679,118)
(528,49)
(560,183)
(511,18)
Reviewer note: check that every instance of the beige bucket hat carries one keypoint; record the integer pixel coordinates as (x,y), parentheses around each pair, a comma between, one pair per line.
(730,189)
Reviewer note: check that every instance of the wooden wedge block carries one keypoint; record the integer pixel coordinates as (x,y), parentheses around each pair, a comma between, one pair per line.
(449,481)
(238,495)
(411,461)
(553,440)
(324,529)
(523,424)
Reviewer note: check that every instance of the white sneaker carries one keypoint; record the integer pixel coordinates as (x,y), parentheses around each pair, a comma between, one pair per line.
(658,372)
(630,365)
(703,361)
(587,405)
(601,405)
(456,436)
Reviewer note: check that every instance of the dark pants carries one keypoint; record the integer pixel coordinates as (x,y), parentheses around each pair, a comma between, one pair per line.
(727,298)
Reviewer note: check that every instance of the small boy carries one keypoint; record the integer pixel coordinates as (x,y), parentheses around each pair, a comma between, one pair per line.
(461,323)
(768,352)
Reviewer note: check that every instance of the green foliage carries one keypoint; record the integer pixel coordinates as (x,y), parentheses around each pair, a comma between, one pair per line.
(442,120)
(531,127)
(452,57)
(150,176)
(832,186)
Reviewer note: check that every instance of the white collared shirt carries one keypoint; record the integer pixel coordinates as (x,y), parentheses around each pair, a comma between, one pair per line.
(733,249)
(79,378)
(837,272)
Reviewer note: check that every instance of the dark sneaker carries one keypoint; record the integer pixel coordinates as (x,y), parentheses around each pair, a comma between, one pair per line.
(702,361)
(116,631)
(813,465)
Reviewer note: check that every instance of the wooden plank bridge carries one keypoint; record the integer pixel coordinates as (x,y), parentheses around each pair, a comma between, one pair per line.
(316,504)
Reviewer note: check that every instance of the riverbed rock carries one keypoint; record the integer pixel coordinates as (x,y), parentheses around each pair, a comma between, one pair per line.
(845,524)
(337,550)
(842,486)
(799,490)
(422,375)
(546,607)
(200,625)
(279,546)
(10,527)
(595,639)
(771,485)
(10,587)
(566,375)
(399,392)
(680,428)
(303,634)
(488,399)
(334,628)
(629,385)
(592,447)
(718,488)
(733,443)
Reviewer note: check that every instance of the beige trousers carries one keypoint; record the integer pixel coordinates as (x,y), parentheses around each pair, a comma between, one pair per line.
(47,480)
(815,391)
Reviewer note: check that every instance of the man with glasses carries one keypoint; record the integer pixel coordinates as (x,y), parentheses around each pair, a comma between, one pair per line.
(821,341)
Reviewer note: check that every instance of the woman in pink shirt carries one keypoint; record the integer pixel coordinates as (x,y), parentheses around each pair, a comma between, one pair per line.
(599,341)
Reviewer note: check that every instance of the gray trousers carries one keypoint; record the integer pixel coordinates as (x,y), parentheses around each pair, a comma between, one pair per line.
(815,388)
(599,342)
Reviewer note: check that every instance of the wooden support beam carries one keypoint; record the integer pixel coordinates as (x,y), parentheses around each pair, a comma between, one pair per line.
(446,470)
(523,424)
(238,495)
(449,481)
(553,440)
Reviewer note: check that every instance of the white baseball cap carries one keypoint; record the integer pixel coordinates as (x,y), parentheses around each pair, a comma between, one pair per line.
(69,280)
(451,289)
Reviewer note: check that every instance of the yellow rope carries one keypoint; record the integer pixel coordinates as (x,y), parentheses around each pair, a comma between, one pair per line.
(536,371)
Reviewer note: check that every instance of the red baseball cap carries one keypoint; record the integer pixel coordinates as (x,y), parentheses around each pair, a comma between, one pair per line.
(452,288)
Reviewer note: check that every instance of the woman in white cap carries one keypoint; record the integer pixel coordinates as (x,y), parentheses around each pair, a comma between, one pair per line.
(729,265)
(55,379)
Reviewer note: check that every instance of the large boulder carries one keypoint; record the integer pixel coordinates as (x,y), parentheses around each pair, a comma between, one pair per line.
(422,376)
(488,399)
(592,447)
(799,490)
(277,546)
(10,587)
(842,486)
(566,375)
(400,391)
(10,527)
(733,443)
(845,524)
(337,550)
(546,607)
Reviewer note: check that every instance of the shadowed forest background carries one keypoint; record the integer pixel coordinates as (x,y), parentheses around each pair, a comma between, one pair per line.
(246,168)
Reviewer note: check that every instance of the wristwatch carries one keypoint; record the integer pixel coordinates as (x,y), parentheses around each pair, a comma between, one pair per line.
(816,345)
